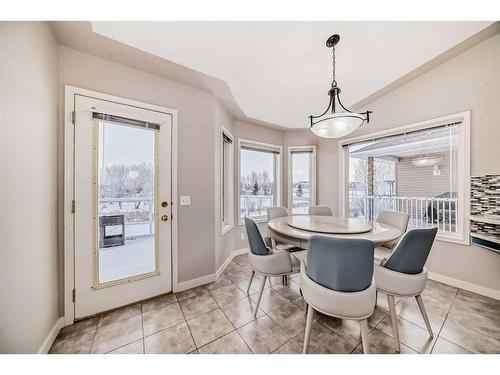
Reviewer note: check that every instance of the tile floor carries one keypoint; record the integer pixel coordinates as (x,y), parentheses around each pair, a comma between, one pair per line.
(217,318)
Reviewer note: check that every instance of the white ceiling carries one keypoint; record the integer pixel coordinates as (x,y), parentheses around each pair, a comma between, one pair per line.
(280,72)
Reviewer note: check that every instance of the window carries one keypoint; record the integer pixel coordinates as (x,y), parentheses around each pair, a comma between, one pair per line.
(227,181)
(421,169)
(260,179)
(301,178)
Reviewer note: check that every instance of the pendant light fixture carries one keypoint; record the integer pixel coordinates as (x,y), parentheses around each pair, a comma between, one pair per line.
(331,123)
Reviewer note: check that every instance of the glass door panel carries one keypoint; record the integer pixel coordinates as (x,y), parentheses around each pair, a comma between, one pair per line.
(126,192)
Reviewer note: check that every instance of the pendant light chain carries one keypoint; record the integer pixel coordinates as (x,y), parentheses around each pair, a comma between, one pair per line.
(334,82)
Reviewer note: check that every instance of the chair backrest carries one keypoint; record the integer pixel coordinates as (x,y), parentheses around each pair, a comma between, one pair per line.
(412,251)
(257,245)
(276,212)
(320,210)
(344,265)
(394,219)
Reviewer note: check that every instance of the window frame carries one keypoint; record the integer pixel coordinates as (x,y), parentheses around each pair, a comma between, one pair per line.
(463,168)
(226,225)
(291,149)
(278,160)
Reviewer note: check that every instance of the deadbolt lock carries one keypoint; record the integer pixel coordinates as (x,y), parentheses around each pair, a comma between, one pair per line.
(164,217)
(164,204)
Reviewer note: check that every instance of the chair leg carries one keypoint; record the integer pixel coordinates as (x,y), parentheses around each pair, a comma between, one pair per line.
(394,320)
(260,296)
(421,306)
(364,335)
(309,320)
(269,278)
(250,282)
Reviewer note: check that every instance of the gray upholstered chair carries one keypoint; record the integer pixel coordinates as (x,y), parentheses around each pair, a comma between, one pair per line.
(395,219)
(320,210)
(404,274)
(264,262)
(338,281)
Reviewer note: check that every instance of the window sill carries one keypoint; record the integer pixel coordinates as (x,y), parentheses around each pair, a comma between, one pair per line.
(451,239)
(226,228)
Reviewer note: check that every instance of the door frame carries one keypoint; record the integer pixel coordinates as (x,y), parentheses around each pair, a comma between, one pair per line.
(68,216)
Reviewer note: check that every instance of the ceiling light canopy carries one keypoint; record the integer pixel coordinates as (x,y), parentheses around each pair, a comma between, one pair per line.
(333,124)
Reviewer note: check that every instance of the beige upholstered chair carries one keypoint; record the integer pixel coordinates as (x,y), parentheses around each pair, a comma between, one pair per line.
(275,213)
(264,262)
(404,275)
(395,219)
(320,210)
(338,282)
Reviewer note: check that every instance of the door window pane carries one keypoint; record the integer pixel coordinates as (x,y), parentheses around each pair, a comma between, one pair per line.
(126,202)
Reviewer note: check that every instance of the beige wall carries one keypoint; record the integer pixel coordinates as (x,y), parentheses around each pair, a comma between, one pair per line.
(196,147)
(470,81)
(28,191)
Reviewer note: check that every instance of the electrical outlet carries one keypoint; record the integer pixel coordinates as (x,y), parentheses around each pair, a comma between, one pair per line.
(242,235)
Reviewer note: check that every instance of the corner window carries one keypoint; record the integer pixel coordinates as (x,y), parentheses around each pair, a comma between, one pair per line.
(259,179)
(227,181)
(301,178)
(421,169)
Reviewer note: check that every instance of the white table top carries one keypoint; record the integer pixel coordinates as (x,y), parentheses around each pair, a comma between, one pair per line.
(379,233)
(329,224)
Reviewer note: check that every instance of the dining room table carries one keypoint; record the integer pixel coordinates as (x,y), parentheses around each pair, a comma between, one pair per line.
(297,229)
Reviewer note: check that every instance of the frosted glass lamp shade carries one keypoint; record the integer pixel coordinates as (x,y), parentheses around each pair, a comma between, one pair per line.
(337,125)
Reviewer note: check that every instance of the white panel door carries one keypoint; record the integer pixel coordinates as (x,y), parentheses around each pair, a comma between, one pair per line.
(122,190)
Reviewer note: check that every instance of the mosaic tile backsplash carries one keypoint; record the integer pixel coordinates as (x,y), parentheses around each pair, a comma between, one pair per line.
(485,200)
(485,195)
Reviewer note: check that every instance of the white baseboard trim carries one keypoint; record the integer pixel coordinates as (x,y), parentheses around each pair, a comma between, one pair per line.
(479,289)
(49,340)
(209,278)
(228,260)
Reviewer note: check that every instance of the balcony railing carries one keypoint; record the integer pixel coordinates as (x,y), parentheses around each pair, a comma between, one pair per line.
(424,211)
(138,211)
(255,206)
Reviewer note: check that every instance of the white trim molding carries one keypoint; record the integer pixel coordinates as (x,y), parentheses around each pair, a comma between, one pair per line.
(226,225)
(209,278)
(51,337)
(471,287)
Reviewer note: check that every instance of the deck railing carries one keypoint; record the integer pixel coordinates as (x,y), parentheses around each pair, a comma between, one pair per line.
(424,211)
(140,210)
(255,205)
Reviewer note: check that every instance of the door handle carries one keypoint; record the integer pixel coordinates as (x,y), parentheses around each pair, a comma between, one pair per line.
(164,204)
(164,217)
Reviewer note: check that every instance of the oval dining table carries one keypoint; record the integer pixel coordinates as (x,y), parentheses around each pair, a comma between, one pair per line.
(297,229)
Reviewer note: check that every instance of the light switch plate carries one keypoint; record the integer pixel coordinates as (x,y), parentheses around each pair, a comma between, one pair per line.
(185,200)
